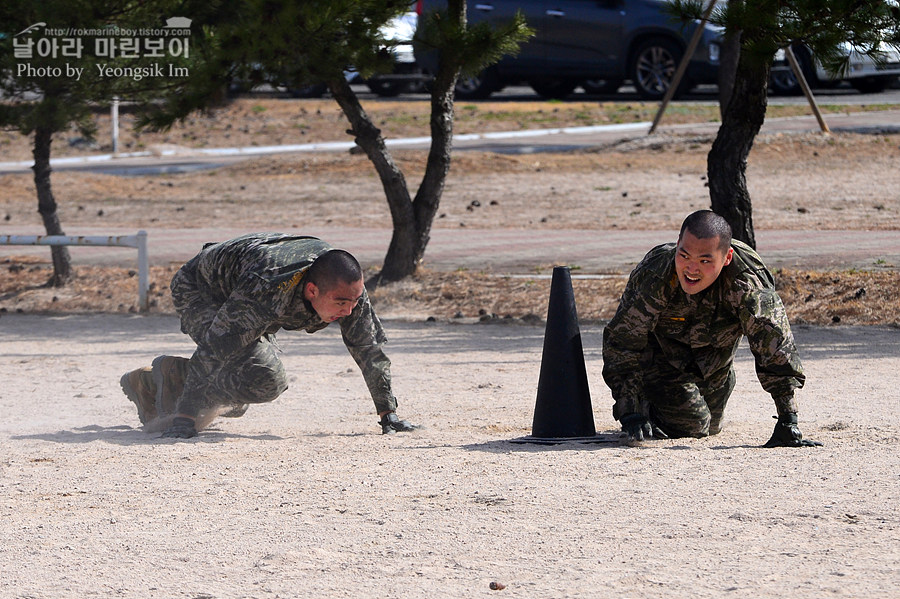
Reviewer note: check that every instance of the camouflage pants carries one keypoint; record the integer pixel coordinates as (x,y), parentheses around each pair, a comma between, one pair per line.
(684,406)
(253,375)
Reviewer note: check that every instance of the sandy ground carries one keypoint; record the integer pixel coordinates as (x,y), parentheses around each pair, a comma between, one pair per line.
(303,497)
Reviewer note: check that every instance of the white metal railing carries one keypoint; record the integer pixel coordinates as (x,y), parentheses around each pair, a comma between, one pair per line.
(138,241)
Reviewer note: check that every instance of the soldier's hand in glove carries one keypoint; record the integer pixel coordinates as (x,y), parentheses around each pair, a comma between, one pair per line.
(787,434)
(638,427)
(391,423)
(181,428)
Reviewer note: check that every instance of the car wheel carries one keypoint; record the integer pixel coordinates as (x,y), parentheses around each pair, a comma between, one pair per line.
(653,68)
(476,87)
(387,89)
(783,83)
(419,87)
(553,90)
(601,86)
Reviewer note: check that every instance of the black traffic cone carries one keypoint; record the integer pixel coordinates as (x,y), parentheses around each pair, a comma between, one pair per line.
(563,410)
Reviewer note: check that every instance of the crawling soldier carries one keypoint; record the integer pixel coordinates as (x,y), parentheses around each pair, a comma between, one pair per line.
(668,353)
(232,298)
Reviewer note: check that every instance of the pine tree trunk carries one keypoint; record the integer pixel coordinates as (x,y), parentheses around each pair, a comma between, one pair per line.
(727,160)
(411,219)
(403,247)
(428,197)
(62,261)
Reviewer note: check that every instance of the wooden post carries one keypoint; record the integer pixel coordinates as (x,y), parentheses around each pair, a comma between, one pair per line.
(804,85)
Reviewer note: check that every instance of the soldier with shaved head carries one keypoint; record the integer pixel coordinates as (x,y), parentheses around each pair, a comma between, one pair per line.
(232,298)
(668,353)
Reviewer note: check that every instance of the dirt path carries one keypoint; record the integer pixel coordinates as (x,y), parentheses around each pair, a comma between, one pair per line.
(302,498)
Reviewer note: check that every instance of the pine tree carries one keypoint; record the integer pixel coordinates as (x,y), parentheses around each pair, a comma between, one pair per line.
(764,26)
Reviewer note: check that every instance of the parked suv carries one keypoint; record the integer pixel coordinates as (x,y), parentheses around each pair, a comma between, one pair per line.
(863,74)
(594,43)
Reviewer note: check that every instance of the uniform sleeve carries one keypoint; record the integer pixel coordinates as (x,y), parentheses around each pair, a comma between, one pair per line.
(765,323)
(626,337)
(364,337)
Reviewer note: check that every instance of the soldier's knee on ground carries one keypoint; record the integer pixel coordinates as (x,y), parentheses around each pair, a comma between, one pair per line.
(697,430)
(679,424)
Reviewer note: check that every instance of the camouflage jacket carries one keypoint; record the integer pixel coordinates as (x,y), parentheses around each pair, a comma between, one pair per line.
(257,280)
(699,333)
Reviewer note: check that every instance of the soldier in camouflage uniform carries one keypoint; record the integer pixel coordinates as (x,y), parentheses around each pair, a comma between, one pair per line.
(232,298)
(669,350)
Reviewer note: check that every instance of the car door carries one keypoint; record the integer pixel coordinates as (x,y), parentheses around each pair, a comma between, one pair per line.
(498,12)
(583,38)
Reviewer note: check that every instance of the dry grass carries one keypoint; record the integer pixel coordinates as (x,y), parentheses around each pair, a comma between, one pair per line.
(817,298)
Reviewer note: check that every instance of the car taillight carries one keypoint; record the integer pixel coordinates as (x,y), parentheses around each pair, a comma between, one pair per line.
(419,4)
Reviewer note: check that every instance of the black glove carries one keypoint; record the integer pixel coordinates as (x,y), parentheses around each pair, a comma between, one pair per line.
(181,428)
(391,424)
(787,434)
(638,426)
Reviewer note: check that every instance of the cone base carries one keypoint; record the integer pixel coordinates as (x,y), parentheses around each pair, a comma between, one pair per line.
(560,440)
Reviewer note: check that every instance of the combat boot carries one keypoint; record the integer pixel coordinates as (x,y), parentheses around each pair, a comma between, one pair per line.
(139,387)
(168,373)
